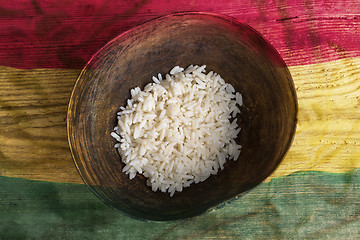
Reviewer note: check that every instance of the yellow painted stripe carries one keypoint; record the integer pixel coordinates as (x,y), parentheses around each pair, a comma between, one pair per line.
(33,140)
(33,106)
(328,131)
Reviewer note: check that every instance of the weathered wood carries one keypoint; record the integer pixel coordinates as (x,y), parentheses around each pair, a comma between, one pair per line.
(34,102)
(66,34)
(33,140)
(328,132)
(37,34)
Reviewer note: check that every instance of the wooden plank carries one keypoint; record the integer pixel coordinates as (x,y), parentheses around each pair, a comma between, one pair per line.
(33,139)
(66,35)
(328,131)
(33,104)
(304,205)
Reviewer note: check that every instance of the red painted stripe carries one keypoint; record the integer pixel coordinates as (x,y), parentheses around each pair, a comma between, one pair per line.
(65,34)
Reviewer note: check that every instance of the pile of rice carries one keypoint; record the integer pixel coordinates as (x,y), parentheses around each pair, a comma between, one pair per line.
(179,130)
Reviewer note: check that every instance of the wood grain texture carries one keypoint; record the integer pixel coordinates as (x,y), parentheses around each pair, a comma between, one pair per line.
(66,35)
(33,134)
(304,205)
(33,139)
(37,34)
(41,34)
(328,131)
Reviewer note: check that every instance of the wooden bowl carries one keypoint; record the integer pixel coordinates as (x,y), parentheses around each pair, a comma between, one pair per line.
(235,51)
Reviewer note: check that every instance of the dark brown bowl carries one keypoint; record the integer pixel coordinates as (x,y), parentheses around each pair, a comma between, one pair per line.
(235,51)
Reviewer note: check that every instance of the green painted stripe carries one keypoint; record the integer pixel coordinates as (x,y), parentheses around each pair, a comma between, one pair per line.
(302,205)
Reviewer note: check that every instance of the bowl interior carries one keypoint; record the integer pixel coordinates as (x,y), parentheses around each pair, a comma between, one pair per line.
(235,51)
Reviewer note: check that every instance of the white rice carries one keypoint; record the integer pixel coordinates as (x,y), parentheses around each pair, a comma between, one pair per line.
(177,131)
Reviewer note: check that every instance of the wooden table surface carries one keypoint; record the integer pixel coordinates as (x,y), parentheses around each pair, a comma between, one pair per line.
(314,193)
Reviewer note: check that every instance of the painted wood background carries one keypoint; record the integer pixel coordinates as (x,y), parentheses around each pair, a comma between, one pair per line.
(44,45)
